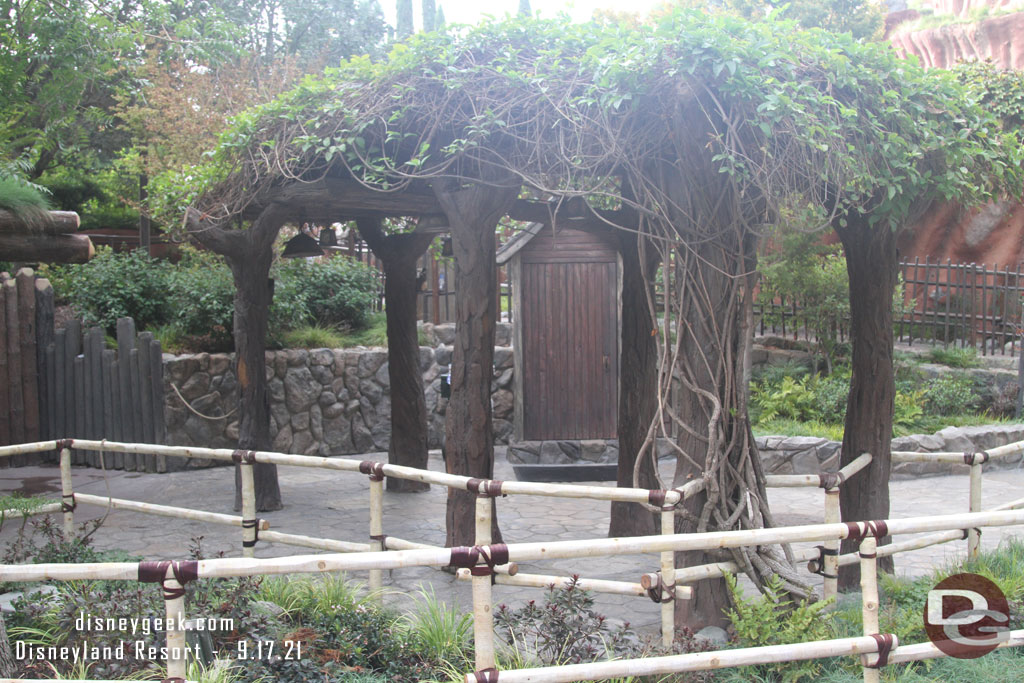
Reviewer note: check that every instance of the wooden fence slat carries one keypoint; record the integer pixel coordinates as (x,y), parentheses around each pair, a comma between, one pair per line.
(94,342)
(51,391)
(26,286)
(145,463)
(78,368)
(5,399)
(72,347)
(125,343)
(112,403)
(15,395)
(44,340)
(145,386)
(60,384)
(156,373)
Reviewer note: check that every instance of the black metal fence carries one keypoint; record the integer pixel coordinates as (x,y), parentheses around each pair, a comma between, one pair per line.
(953,304)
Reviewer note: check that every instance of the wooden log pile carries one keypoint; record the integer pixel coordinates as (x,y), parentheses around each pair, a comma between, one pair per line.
(50,238)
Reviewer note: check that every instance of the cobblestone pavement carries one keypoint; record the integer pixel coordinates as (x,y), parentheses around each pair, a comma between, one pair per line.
(334,505)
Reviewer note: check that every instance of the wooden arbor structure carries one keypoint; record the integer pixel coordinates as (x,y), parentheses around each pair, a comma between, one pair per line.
(685,140)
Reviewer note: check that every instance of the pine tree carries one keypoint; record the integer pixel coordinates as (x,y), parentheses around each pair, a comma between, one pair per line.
(429,15)
(404,16)
(439,21)
(524,8)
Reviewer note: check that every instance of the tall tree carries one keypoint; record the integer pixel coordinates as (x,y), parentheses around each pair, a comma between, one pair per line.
(524,8)
(429,15)
(404,27)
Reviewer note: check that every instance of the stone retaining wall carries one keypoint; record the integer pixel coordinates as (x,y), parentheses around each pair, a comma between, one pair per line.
(322,401)
(812,455)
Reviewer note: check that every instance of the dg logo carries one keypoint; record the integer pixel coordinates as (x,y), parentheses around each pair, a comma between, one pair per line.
(966,616)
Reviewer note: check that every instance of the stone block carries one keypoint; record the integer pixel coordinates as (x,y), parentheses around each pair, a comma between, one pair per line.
(524,453)
(445,333)
(805,461)
(322,374)
(503,357)
(443,355)
(296,357)
(426,358)
(322,357)
(503,334)
(316,422)
(220,363)
(301,442)
(362,438)
(300,422)
(275,388)
(551,453)
(370,362)
(504,380)
(501,404)
(371,391)
(954,440)
(300,389)
(198,384)
(502,431)
(283,440)
(382,377)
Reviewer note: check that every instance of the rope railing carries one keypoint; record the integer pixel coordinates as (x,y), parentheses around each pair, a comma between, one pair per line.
(486,564)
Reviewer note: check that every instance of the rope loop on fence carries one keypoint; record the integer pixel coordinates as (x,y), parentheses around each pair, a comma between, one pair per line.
(817,566)
(659,592)
(831,480)
(978,458)
(253,524)
(375,470)
(486,675)
(464,557)
(885,644)
(242,456)
(65,506)
(156,572)
(64,443)
(486,488)
(858,531)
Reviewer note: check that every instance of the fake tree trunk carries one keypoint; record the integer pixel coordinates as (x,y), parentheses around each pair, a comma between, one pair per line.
(872,263)
(398,254)
(248,254)
(6,656)
(472,214)
(637,403)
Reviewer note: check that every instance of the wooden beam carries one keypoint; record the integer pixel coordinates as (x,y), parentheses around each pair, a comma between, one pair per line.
(46,248)
(48,223)
(331,200)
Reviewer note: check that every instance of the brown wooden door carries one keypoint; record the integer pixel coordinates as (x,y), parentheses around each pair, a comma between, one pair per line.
(570,349)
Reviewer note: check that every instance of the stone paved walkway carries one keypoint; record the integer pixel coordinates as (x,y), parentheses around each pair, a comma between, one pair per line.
(334,505)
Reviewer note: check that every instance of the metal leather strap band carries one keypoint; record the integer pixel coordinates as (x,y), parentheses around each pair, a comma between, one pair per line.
(382,538)
(831,480)
(858,531)
(240,456)
(824,552)
(65,506)
(251,524)
(660,592)
(656,497)
(156,572)
(486,675)
(978,458)
(64,443)
(375,470)
(485,488)
(885,643)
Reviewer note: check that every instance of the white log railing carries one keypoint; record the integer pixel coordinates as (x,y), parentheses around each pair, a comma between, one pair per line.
(368,556)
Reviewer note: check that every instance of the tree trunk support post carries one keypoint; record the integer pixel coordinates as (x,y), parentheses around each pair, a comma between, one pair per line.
(974,535)
(250,524)
(483,615)
(67,493)
(177,663)
(830,559)
(376,532)
(668,578)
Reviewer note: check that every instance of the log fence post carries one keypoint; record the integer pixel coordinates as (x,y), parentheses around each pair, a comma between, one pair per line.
(375,471)
(869,602)
(67,492)
(830,555)
(483,615)
(250,524)
(668,578)
(977,461)
(174,603)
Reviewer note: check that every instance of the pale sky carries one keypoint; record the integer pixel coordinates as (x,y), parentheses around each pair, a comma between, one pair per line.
(471,11)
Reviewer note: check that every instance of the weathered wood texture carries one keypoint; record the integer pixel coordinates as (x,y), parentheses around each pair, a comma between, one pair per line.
(570,355)
(48,223)
(47,248)
(84,390)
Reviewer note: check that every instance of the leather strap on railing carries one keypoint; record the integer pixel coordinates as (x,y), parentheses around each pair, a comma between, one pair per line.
(819,563)
(467,558)
(64,443)
(156,572)
(858,531)
(831,480)
(485,488)
(659,592)
(375,470)
(885,643)
(979,458)
(251,524)
(248,457)
(65,506)
(486,675)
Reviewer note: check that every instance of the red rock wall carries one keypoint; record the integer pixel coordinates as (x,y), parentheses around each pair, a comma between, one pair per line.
(990,234)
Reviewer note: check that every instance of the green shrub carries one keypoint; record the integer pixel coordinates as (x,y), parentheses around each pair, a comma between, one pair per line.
(951,394)
(773,619)
(312,337)
(116,285)
(335,292)
(954,357)
(203,298)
